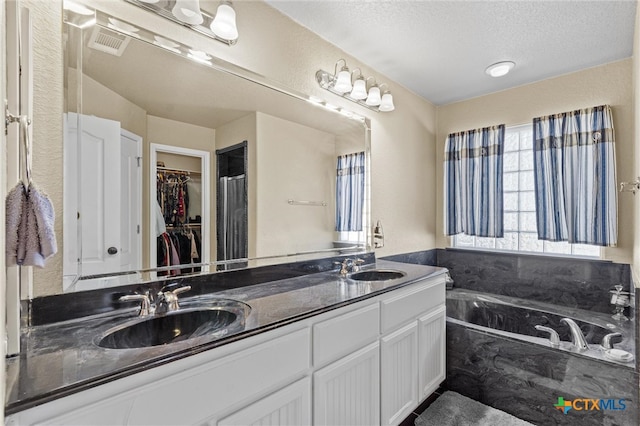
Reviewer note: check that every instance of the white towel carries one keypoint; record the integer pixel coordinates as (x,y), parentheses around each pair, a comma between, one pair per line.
(45,218)
(31,238)
(15,204)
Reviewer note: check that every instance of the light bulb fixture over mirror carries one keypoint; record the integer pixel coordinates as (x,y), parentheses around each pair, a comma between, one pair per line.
(221,27)
(343,82)
(188,11)
(386,102)
(359,91)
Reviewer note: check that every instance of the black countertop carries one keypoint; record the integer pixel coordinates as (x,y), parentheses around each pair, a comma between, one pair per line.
(63,358)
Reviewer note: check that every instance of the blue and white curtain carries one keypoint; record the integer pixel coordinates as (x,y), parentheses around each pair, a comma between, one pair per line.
(575,177)
(350,192)
(473,182)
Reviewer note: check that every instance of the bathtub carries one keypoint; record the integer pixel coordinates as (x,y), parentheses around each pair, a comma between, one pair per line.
(496,356)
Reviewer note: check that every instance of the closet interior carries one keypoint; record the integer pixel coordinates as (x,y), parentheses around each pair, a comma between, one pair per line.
(179,213)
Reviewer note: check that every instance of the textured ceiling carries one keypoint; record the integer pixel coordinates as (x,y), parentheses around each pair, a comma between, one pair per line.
(440,49)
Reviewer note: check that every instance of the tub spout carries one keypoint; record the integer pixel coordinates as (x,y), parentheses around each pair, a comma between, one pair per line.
(576,334)
(606,340)
(553,335)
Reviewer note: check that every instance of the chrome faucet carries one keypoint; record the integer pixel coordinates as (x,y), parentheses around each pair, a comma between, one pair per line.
(349,265)
(145,303)
(167,300)
(553,335)
(606,340)
(576,334)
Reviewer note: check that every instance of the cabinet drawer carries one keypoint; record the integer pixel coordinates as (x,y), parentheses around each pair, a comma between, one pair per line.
(410,303)
(343,334)
(202,392)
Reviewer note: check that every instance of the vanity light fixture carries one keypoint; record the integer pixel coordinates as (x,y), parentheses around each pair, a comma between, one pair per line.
(224,23)
(359,91)
(386,103)
(78,15)
(500,69)
(374,96)
(341,83)
(188,11)
(222,26)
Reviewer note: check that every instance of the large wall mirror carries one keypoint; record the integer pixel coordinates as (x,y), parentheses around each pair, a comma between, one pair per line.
(169,154)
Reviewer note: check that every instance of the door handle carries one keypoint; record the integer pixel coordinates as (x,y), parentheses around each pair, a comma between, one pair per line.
(112,250)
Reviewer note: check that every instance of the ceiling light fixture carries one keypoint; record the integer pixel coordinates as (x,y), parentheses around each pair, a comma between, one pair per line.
(500,68)
(221,27)
(359,91)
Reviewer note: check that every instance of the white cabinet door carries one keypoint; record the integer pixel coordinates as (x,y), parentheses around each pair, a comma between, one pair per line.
(399,374)
(431,352)
(289,406)
(347,392)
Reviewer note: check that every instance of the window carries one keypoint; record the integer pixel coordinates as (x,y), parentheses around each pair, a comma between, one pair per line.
(520,232)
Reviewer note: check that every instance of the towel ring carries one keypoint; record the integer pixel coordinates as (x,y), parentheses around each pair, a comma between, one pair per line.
(24,122)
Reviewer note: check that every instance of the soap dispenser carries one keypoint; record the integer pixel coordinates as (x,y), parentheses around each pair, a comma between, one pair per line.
(378,236)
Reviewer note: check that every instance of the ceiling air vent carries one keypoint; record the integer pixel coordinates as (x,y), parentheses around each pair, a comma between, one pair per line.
(108,41)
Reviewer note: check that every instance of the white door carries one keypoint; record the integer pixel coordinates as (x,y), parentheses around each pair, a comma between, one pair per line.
(431,351)
(108,181)
(399,374)
(347,392)
(130,251)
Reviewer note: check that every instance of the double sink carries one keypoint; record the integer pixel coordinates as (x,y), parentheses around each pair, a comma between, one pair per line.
(214,320)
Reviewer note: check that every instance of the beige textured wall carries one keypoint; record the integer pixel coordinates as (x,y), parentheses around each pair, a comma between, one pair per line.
(607,84)
(293,162)
(47,125)
(636,141)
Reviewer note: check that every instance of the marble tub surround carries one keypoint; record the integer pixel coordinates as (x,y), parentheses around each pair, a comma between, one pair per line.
(68,306)
(62,358)
(571,282)
(526,379)
(517,318)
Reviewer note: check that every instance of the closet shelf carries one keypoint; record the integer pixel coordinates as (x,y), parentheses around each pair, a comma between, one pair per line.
(177,171)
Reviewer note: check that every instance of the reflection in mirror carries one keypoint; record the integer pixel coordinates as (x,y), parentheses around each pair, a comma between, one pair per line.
(172,161)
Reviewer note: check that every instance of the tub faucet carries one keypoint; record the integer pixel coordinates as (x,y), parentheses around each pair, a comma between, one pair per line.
(576,334)
(553,335)
(606,340)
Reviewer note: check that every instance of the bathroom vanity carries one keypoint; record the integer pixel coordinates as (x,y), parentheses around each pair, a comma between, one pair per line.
(316,349)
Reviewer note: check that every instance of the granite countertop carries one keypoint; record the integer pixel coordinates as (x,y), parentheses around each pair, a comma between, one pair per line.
(62,358)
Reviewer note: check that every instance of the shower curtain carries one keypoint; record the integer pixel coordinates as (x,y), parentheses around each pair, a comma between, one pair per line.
(234,218)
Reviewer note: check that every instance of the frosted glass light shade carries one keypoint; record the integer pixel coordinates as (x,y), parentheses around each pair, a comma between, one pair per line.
(386,103)
(374,96)
(499,69)
(224,24)
(359,89)
(188,11)
(343,84)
